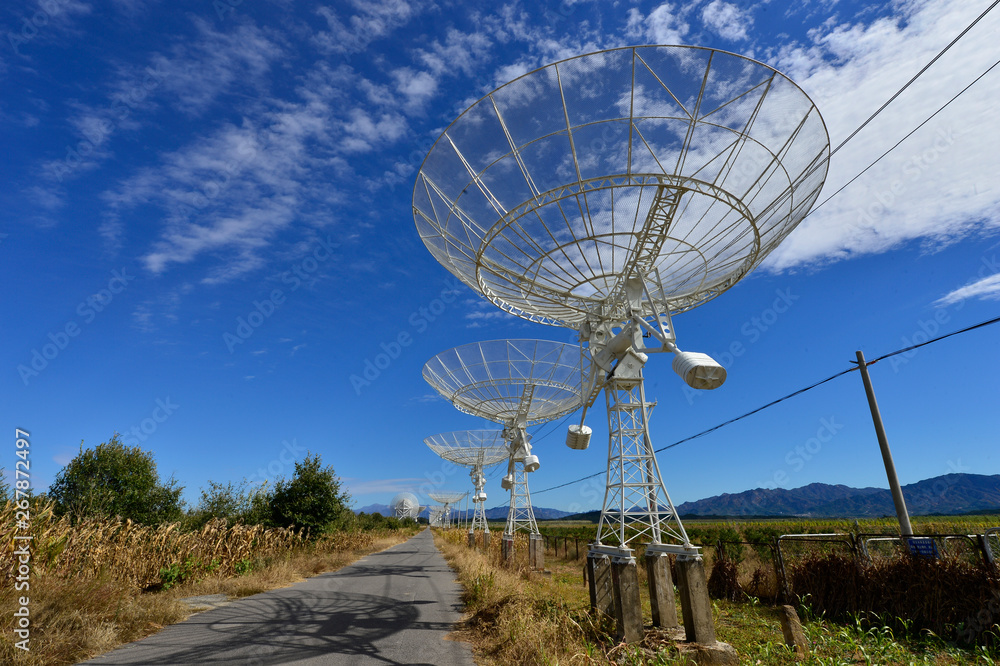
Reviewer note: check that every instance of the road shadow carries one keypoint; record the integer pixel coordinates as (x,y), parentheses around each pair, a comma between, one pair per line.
(277,630)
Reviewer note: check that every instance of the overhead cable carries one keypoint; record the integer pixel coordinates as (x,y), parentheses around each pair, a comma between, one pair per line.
(982,324)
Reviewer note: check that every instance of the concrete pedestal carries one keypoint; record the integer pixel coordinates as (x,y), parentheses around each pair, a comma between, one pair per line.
(536,552)
(661,590)
(472,539)
(507,548)
(628,606)
(599,582)
(486,542)
(695,604)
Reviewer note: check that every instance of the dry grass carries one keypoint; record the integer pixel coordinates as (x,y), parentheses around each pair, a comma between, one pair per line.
(95,586)
(516,616)
(134,554)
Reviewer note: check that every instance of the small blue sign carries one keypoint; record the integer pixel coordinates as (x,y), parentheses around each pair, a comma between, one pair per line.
(923,547)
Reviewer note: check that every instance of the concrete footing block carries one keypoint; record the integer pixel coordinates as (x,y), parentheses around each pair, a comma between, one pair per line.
(628,606)
(472,539)
(486,540)
(536,552)
(791,627)
(661,590)
(696,607)
(599,582)
(507,548)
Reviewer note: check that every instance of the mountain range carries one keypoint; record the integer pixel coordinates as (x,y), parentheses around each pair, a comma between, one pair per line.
(942,495)
(496,513)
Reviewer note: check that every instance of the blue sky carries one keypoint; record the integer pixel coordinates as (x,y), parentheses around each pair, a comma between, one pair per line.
(207,232)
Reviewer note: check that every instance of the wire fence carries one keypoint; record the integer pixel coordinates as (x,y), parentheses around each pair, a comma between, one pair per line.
(761,568)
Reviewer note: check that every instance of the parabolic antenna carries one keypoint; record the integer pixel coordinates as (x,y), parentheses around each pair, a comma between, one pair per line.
(504,380)
(477,450)
(448,499)
(435,516)
(607,192)
(668,171)
(405,505)
(516,383)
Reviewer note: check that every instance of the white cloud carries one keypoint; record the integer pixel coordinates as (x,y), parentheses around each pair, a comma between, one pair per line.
(197,72)
(60,12)
(461,52)
(416,87)
(231,192)
(363,133)
(726,20)
(985,288)
(372,20)
(938,186)
(664,25)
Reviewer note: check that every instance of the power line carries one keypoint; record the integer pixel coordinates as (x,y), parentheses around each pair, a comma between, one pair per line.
(915,77)
(940,337)
(982,324)
(908,135)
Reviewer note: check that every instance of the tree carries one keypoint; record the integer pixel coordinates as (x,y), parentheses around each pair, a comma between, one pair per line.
(237,503)
(312,498)
(116,480)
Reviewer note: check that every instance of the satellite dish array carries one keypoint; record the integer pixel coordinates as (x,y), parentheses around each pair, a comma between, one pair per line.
(477,450)
(447,499)
(606,193)
(516,383)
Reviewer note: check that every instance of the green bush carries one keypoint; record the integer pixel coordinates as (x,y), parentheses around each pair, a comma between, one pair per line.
(116,480)
(179,573)
(311,499)
(237,503)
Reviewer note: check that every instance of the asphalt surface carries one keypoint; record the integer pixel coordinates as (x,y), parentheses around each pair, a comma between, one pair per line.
(393,607)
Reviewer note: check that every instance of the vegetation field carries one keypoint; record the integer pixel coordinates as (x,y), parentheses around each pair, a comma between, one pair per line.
(708,531)
(521,617)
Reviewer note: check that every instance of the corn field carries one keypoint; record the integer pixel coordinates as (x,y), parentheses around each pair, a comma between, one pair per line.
(135,554)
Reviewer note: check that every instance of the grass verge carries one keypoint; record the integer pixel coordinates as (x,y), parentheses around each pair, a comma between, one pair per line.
(78,617)
(518,617)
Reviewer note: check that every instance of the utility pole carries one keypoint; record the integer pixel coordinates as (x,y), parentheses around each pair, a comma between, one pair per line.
(883,443)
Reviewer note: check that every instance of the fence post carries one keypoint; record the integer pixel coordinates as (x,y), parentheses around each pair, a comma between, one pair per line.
(985,550)
(779,571)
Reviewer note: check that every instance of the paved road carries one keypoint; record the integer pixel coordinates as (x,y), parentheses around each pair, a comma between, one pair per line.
(393,607)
